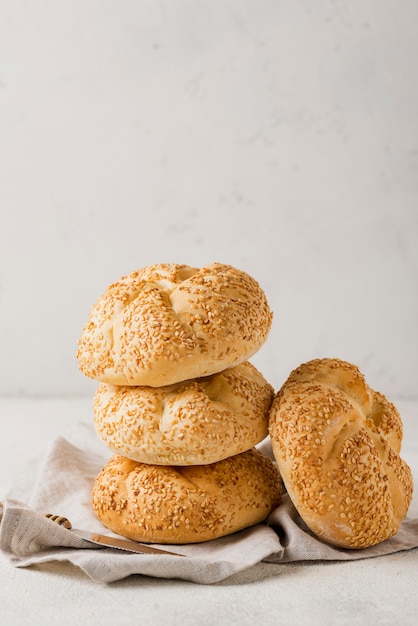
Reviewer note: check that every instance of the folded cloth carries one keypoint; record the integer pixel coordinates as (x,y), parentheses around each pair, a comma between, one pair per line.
(63,485)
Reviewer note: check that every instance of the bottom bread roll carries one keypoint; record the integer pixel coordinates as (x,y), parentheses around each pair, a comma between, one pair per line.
(166,504)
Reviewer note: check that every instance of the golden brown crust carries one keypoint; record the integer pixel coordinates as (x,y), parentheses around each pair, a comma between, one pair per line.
(337,444)
(166,323)
(190,423)
(160,504)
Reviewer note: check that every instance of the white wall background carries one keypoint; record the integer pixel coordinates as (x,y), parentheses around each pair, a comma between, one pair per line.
(275,135)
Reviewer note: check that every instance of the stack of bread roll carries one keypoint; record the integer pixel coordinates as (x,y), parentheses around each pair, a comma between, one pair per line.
(182,409)
(179,404)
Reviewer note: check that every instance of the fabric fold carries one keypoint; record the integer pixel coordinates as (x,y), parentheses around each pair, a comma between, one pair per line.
(63,485)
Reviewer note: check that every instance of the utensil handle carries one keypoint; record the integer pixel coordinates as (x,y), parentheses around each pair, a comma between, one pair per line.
(60,520)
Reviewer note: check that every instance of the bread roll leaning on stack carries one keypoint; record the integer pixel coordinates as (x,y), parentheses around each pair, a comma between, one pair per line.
(179,404)
(337,445)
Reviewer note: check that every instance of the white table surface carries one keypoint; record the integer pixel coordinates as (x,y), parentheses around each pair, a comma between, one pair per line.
(380,591)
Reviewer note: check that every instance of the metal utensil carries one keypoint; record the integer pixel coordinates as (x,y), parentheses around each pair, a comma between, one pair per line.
(104,540)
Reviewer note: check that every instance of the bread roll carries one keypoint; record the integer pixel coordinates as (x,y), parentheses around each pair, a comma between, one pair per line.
(190,423)
(160,504)
(166,323)
(337,445)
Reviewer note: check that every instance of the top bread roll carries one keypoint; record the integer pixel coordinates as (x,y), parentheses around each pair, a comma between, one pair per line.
(167,323)
(337,445)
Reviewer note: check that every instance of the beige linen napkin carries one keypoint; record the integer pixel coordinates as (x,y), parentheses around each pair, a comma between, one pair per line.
(63,484)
